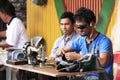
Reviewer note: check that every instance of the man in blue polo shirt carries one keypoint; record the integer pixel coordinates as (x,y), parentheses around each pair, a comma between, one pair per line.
(91,42)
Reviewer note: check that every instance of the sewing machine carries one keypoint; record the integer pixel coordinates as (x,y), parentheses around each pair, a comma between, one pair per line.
(33,53)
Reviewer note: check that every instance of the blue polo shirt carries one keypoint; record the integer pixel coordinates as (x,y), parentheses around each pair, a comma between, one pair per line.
(100,44)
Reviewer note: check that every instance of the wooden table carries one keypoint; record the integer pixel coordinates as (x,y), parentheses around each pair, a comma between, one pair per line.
(49,70)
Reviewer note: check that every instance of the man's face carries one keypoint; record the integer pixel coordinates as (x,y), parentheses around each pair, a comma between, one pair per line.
(66,26)
(83,28)
(3,17)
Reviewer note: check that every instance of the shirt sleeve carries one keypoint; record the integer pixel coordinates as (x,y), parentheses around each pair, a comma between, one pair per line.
(54,49)
(105,46)
(13,33)
(76,45)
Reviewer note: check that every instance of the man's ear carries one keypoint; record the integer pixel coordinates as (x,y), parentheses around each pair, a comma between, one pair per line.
(91,24)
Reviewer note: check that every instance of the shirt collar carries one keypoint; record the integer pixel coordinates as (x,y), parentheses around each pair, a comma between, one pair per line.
(10,20)
(70,36)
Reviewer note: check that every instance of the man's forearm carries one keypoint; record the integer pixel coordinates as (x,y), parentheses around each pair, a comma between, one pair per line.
(66,49)
(2,34)
(4,44)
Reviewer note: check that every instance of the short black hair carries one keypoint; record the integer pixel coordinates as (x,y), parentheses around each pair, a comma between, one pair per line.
(8,8)
(84,14)
(69,15)
(2,2)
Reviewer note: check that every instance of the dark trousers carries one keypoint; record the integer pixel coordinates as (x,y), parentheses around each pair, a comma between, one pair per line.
(26,75)
(2,73)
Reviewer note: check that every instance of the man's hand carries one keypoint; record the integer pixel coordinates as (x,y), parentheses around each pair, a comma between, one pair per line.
(60,52)
(50,59)
(72,56)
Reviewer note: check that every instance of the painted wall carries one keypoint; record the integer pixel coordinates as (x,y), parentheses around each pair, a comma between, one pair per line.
(113,30)
(73,5)
(43,21)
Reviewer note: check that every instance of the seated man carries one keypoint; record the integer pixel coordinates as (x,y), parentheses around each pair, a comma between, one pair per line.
(15,33)
(3,71)
(67,25)
(91,42)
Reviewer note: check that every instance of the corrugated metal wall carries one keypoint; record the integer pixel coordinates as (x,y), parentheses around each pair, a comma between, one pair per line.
(43,21)
(73,5)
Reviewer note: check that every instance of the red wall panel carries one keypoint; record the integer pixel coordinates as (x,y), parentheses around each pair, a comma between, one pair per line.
(73,5)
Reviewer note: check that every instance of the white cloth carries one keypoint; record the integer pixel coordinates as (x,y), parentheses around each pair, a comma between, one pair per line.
(3,57)
(16,34)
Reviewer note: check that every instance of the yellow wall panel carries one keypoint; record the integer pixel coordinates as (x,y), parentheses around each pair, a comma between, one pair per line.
(43,21)
(112,21)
